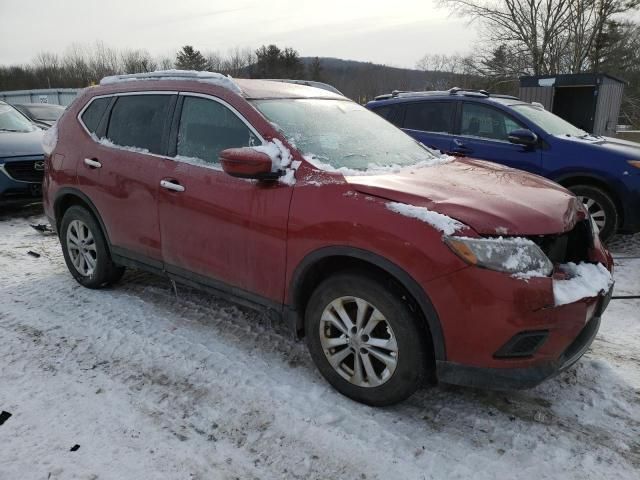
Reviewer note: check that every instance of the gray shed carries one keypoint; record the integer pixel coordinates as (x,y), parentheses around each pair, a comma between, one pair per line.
(590,101)
(55,96)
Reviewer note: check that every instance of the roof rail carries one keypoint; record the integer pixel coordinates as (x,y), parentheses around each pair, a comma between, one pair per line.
(308,83)
(194,75)
(451,91)
(464,91)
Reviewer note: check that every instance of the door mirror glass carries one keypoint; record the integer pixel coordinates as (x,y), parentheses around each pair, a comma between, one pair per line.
(522,136)
(247,163)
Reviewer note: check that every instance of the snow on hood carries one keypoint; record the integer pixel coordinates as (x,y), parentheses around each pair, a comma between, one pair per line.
(172,74)
(585,280)
(446,225)
(488,197)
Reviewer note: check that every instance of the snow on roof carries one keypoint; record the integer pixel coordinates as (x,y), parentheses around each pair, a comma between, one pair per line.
(206,77)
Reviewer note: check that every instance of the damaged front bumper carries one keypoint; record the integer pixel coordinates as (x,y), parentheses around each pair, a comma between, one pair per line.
(530,376)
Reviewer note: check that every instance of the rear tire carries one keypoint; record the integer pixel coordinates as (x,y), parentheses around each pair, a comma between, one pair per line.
(85,250)
(601,206)
(378,360)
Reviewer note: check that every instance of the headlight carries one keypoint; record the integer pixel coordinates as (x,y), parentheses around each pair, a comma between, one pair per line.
(510,255)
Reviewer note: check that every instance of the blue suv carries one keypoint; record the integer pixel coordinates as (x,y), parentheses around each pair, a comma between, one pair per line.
(603,172)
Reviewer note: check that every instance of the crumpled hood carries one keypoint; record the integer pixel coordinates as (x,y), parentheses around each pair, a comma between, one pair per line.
(16,144)
(490,198)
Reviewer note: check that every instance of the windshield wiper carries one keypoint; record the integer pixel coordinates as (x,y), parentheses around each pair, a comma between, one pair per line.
(9,130)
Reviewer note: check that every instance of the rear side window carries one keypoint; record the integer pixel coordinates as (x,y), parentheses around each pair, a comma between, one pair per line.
(93,113)
(208,127)
(434,117)
(139,121)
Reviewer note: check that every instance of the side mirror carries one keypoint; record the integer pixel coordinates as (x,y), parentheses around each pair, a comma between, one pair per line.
(246,162)
(523,136)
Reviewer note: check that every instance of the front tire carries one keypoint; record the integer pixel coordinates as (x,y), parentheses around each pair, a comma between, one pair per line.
(85,250)
(600,206)
(365,340)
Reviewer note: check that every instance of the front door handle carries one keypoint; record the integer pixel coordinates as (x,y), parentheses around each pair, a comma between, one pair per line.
(172,185)
(91,163)
(460,149)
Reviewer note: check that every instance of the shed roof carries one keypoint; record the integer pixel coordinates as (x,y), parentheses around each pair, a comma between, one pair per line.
(567,80)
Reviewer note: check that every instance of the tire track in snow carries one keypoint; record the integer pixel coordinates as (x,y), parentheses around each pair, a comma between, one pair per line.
(268,398)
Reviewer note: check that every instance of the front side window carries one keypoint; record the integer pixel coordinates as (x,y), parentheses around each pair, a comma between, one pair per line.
(138,121)
(434,117)
(208,127)
(485,122)
(93,113)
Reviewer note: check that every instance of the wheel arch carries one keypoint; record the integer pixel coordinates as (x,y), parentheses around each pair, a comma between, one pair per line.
(320,263)
(568,180)
(68,197)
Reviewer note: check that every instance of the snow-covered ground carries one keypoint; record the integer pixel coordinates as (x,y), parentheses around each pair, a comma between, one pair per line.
(154,385)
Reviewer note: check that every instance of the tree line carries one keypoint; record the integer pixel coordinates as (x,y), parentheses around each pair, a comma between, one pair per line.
(518,37)
(82,65)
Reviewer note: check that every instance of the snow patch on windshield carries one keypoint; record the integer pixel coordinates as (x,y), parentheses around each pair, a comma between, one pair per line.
(374,169)
(281,159)
(173,74)
(585,280)
(445,224)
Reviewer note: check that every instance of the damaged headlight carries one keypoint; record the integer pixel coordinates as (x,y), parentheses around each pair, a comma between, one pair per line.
(517,255)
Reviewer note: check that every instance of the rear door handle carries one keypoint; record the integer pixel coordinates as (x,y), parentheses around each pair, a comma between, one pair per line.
(172,185)
(92,163)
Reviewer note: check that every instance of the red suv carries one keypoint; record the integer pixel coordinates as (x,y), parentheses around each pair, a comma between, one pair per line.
(396,264)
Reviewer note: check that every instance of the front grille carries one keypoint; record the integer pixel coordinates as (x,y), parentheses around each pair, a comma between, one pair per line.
(572,246)
(26,170)
(523,344)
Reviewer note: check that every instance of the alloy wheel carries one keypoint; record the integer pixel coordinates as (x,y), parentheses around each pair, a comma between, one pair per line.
(81,247)
(358,342)
(595,210)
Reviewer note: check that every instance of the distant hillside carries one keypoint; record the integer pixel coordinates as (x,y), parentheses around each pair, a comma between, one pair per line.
(362,81)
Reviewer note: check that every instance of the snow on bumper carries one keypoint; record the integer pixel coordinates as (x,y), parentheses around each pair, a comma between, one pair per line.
(481,311)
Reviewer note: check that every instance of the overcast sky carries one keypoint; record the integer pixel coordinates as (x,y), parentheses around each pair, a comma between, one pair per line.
(393,32)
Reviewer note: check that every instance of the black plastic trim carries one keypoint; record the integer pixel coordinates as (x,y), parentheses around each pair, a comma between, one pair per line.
(63,192)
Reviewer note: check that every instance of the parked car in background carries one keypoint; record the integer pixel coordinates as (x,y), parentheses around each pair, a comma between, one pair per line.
(396,264)
(42,114)
(21,157)
(603,172)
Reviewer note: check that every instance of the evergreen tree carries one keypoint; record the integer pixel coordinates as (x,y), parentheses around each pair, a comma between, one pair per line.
(191,59)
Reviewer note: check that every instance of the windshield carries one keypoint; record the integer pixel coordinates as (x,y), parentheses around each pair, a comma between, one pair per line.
(342,133)
(49,113)
(12,121)
(550,123)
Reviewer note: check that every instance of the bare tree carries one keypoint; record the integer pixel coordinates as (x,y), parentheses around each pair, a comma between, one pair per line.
(552,35)
(137,61)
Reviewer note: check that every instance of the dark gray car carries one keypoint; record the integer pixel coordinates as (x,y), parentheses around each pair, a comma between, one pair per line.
(42,114)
